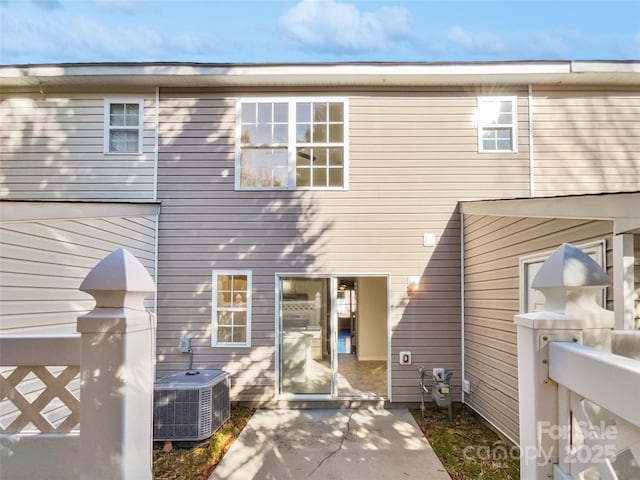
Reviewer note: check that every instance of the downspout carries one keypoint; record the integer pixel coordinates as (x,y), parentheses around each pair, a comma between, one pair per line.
(156,148)
(531,158)
(462,374)
(155,263)
(156,155)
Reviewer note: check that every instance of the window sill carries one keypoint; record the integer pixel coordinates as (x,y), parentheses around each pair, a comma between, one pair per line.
(498,151)
(297,189)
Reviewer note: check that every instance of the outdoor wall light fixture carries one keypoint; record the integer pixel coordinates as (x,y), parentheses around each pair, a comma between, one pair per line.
(413,282)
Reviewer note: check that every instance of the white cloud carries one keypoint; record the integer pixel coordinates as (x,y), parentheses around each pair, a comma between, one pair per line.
(476,42)
(47,4)
(549,45)
(54,38)
(562,42)
(125,6)
(332,26)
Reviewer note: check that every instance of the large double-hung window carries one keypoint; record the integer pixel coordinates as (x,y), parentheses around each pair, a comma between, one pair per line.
(292,144)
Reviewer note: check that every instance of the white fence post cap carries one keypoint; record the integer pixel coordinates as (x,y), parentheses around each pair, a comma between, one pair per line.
(119,281)
(565,273)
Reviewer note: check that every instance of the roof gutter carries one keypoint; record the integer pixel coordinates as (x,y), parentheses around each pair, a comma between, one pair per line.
(338,74)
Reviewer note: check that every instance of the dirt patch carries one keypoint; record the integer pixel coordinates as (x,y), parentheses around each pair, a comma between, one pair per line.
(469,449)
(196,460)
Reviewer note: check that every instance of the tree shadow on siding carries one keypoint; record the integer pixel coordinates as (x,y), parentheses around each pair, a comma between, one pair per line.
(207,225)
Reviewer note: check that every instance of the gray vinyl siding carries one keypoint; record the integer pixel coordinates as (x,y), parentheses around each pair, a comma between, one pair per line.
(43,264)
(413,154)
(586,140)
(492,248)
(51,148)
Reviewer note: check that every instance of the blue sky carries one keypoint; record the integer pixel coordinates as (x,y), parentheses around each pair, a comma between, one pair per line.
(54,31)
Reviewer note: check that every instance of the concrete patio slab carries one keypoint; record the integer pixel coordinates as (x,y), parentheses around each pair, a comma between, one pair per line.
(365,444)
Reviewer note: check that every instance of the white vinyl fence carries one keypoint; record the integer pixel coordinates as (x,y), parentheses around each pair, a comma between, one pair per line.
(80,406)
(579,414)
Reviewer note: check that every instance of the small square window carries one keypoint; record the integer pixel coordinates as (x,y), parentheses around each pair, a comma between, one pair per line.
(123,126)
(496,117)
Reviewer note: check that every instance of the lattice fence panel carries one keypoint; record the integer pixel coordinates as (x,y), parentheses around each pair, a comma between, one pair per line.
(39,399)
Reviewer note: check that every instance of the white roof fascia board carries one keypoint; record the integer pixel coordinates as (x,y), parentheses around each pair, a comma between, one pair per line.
(594,207)
(26,211)
(266,70)
(605,66)
(375,74)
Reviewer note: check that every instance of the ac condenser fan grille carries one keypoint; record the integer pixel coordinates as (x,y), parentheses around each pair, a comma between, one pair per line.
(188,408)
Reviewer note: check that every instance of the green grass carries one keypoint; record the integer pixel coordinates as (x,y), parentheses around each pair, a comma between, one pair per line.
(469,450)
(196,462)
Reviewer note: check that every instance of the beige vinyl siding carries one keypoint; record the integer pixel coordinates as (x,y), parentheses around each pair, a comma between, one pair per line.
(43,264)
(413,154)
(636,250)
(51,148)
(492,248)
(587,140)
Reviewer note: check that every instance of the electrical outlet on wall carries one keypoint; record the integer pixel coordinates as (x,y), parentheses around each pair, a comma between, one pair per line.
(405,358)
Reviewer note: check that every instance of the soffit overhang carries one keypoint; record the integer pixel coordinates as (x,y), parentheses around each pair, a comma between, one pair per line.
(622,208)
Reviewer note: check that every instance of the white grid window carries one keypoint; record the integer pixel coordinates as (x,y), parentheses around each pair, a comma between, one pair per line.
(292,144)
(497,122)
(231,311)
(123,126)
(533,300)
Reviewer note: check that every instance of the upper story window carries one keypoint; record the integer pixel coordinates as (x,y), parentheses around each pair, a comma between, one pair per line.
(292,144)
(231,310)
(123,125)
(497,124)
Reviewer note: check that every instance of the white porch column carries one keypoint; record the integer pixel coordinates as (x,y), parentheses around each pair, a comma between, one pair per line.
(538,395)
(117,348)
(569,279)
(623,284)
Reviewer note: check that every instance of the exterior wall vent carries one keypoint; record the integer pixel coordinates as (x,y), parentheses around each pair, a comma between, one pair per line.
(190,405)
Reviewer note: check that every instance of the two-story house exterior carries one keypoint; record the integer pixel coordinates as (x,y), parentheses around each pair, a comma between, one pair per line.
(302,222)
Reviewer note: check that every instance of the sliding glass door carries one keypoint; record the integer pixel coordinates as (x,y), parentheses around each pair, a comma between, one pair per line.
(333,338)
(306,331)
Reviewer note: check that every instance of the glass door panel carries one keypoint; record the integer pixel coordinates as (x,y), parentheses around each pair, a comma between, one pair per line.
(305,336)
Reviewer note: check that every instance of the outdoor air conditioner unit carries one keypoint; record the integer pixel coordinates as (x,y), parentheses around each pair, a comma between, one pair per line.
(190,405)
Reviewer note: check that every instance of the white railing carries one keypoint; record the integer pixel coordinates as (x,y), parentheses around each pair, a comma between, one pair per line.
(598,414)
(579,403)
(80,406)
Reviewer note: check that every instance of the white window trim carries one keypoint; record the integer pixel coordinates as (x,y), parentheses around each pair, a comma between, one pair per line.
(214,308)
(107,123)
(597,250)
(291,150)
(513,126)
